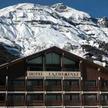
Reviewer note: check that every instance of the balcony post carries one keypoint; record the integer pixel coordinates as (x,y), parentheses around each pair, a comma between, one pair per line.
(43,61)
(44,98)
(83,74)
(25,83)
(99,78)
(61,62)
(62,99)
(44,85)
(98,98)
(81,99)
(80,84)
(25,90)
(6,90)
(25,99)
(62,81)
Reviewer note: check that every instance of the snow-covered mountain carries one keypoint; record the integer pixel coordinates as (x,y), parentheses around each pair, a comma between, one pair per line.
(27,28)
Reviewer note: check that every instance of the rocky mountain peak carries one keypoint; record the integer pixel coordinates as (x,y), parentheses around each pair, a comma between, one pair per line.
(28,28)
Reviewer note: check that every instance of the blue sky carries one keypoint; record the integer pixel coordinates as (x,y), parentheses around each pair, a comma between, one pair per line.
(96,8)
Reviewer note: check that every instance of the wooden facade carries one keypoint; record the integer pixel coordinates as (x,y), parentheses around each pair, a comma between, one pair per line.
(53,78)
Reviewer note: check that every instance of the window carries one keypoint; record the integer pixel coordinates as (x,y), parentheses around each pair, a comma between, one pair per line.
(90,83)
(104,97)
(74,82)
(36,97)
(70,65)
(2,83)
(71,82)
(52,58)
(35,64)
(105,83)
(35,67)
(53,82)
(53,62)
(2,97)
(71,85)
(53,97)
(71,99)
(35,84)
(53,85)
(53,100)
(16,99)
(74,97)
(16,84)
(37,60)
(67,61)
(90,99)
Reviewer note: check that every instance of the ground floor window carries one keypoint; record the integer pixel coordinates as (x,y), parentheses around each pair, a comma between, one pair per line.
(35,99)
(90,99)
(16,99)
(104,99)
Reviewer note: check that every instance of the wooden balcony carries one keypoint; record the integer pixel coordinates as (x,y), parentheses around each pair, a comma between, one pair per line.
(53,88)
(35,88)
(90,103)
(104,85)
(15,103)
(53,103)
(89,88)
(103,88)
(71,88)
(16,88)
(2,88)
(2,103)
(104,103)
(36,103)
(90,85)
(72,103)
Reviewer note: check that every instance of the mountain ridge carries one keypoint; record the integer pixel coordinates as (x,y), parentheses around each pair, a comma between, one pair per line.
(28,28)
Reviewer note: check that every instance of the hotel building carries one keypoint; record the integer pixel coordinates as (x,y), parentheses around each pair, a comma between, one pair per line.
(53,78)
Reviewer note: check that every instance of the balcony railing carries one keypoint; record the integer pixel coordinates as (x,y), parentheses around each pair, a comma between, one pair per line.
(2,103)
(15,103)
(90,102)
(53,103)
(2,88)
(104,88)
(35,88)
(104,102)
(36,103)
(53,88)
(16,87)
(90,88)
(72,103)
(71,88)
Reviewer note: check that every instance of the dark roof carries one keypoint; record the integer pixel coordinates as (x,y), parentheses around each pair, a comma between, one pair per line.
(59,51)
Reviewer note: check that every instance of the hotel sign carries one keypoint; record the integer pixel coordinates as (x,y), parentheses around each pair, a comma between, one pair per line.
(52,74)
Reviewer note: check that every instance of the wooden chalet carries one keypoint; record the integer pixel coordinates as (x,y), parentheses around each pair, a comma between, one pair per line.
(53,78)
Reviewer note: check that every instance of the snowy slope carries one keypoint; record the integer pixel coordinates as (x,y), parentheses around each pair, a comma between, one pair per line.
(27,28)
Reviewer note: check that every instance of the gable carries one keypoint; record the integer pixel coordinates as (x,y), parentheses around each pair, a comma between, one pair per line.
(53,59)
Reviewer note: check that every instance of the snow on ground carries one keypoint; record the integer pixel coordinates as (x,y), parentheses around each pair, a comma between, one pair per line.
(34,27)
